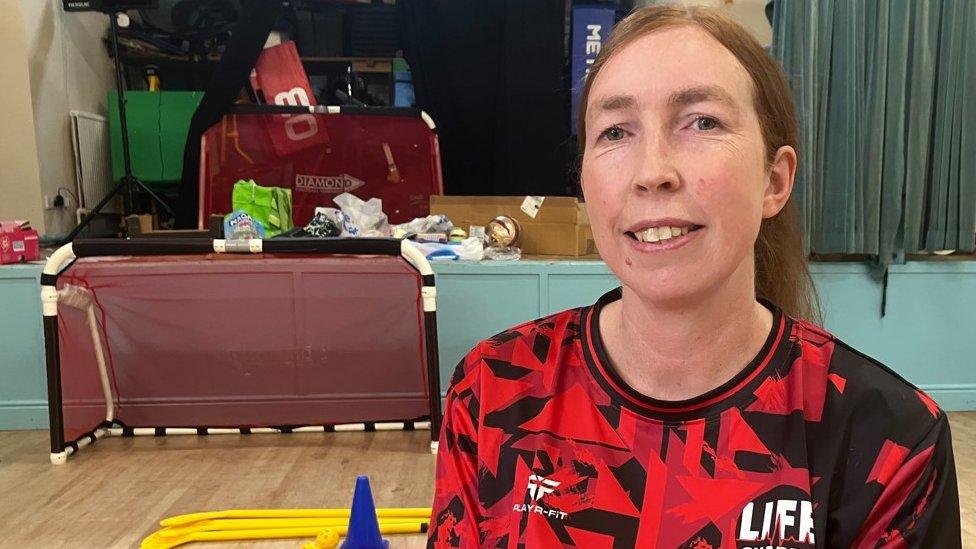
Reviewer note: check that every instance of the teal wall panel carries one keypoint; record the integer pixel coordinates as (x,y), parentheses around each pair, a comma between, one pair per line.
(931,308)
(472,306)
(927,332)
(23,382)
(567,291)
(926,335)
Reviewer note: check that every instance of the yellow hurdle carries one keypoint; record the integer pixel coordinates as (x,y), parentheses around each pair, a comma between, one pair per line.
(291,513)
(325,525)
(153,542)
(268,524)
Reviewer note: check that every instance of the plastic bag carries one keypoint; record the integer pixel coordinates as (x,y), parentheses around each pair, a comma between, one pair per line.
(74,296)
(362,218)
(325,223)
(239,225)
(436,223)
(472,249)
(271,206)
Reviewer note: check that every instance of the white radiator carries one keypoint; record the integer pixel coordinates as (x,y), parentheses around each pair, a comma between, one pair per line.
(93,161)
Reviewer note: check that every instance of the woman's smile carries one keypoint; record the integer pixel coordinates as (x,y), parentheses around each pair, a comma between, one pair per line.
(663,237)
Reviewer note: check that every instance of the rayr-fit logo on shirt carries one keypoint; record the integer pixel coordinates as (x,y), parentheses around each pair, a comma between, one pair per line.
(539,487)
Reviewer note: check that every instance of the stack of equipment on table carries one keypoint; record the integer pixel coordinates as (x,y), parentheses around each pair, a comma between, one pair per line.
(390,155)
(550,225)
(317,152)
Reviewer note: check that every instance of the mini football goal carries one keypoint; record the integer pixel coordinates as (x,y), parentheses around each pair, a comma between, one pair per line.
(197,336)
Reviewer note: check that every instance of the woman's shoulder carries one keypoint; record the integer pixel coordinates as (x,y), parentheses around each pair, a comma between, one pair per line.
(537,334)
(564,323)
(861,388)
(531,344)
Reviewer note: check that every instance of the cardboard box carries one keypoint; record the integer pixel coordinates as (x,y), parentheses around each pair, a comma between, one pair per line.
(140,224)
(561,226)
(147,226)
(18,242)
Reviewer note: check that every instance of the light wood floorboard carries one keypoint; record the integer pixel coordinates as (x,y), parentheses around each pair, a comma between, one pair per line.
(113,495)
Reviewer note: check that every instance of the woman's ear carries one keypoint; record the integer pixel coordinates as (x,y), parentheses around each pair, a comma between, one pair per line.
(780,185)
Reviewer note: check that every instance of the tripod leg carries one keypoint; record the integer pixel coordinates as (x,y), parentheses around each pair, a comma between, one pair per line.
(153,195)
(95,211)
(128,180)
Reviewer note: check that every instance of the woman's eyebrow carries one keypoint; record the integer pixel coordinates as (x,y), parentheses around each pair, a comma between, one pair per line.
(617,103)
(680,98)
(700,94)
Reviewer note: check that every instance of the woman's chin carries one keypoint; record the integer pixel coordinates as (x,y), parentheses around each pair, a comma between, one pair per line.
(664,286)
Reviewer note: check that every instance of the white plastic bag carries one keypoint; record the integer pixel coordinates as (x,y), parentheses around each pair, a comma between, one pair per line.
(431,224)
(362,218)
(472,249)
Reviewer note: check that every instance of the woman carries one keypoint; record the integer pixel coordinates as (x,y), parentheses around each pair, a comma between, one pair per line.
(697,406)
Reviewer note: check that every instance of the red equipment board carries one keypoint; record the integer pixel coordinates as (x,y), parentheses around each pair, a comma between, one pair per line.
(390,154)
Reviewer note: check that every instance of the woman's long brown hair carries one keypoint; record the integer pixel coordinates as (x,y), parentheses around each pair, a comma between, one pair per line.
(782,273)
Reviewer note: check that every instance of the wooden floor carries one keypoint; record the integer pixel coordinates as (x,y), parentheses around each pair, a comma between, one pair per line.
(115,494)
(963,426)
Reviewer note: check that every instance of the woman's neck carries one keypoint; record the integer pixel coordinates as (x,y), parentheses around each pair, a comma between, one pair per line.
(680,351)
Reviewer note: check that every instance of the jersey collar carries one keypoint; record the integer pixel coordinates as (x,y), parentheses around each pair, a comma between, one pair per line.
(735,391)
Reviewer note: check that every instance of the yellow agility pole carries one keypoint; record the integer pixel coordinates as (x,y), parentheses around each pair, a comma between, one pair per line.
(363,525)
(267,524)
(275,533)
(292,513)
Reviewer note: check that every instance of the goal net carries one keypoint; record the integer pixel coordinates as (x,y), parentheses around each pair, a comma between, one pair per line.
(180,336)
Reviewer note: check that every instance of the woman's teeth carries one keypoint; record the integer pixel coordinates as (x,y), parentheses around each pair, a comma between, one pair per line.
(660,234)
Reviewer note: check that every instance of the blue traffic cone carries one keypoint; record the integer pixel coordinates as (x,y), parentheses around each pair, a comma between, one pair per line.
(364,528)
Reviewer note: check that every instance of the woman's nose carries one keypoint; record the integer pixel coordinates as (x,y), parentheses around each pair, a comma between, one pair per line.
(656,170)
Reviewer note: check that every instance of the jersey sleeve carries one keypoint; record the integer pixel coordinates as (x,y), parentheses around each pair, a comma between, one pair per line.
(919,504)
(456,513)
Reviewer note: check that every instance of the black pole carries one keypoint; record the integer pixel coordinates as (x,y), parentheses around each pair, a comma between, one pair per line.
(128,179)
(52,351)
(433,374)
(120,93)
(86,247)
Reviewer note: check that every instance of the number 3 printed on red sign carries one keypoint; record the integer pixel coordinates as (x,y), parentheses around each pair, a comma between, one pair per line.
(302,126)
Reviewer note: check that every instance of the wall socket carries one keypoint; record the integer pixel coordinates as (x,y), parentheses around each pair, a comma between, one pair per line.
(51,199)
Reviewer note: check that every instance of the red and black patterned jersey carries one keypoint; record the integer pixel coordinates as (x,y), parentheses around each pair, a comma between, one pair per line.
(812,445)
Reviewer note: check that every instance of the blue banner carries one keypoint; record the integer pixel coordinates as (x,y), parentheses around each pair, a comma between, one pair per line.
(591,26)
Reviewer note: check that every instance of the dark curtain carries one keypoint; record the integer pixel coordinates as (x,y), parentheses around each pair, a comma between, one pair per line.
(493,75)
(229,76)
(885,100)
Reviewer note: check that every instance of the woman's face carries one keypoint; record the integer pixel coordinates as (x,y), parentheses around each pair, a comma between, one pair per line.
(674,169)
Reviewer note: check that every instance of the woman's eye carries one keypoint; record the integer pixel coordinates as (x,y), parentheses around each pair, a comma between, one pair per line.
(706,123)
(614,133)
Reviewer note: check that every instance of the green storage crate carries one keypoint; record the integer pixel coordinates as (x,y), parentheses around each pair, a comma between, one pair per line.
(158,123)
